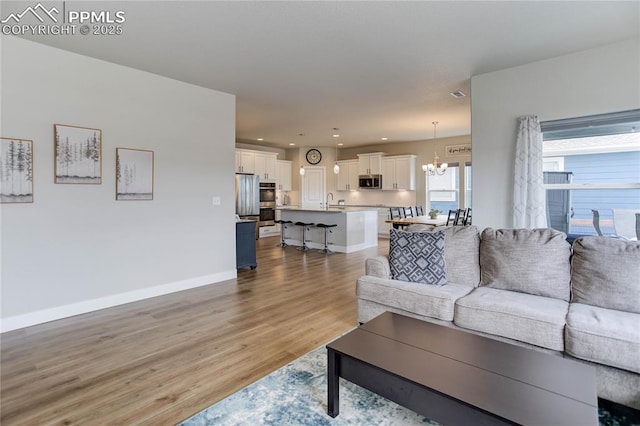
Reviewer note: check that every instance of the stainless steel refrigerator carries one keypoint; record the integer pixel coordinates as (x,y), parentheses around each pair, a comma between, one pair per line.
(248,196)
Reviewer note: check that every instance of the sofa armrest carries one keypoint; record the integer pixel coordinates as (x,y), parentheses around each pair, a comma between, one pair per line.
(378,267)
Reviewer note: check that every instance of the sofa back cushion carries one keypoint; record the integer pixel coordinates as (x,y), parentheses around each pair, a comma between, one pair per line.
(462,254)
(417,257)
(533,261)
(605,272)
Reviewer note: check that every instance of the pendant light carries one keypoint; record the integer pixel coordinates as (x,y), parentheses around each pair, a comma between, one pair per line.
(336,166)
(301,171)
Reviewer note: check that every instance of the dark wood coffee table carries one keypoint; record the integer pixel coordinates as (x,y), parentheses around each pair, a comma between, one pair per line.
(454,377)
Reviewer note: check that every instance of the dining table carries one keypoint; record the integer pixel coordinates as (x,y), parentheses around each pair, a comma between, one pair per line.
(417,220)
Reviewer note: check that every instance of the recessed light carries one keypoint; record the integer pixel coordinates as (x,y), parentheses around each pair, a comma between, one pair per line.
(385,139)
(336,136)
(458,94)
(260,139)
(292,144)
(340,144)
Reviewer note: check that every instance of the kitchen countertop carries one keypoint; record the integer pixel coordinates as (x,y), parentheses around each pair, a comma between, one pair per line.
(374,206)
(332,209)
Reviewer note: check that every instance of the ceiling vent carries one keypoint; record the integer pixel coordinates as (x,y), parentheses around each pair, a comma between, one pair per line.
(458,94)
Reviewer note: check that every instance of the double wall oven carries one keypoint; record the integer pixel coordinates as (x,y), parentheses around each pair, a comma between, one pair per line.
(267,203)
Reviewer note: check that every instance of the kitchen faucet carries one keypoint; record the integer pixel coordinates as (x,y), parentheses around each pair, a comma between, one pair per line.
(326,206)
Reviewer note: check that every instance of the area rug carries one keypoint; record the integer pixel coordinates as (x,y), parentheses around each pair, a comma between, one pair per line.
(296,394)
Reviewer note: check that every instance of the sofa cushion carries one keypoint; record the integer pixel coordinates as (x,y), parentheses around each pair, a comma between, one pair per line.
(528,318)
(462,254)
(533,261)
(605,272)
(417,257)
(427,300)
(604,336)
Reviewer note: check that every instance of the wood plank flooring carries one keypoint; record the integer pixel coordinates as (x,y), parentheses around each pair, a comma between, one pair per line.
(161,360)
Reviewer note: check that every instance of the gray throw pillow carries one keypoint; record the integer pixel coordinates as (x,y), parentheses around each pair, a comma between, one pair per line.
(462,254)
(533,261)
(417,257)
(605,272)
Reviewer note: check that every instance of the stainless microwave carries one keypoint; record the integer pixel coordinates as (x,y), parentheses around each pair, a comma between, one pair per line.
(370,181)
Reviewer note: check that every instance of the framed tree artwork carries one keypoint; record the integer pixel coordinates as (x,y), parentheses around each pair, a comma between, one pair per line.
(134,174)
(16,170)
(78,152)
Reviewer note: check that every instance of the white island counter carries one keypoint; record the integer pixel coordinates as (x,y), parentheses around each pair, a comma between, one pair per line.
(357,227)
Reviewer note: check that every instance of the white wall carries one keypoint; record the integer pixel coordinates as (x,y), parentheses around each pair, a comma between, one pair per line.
(595,81)
(75,248)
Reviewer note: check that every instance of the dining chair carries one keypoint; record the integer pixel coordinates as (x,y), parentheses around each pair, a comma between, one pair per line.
(596,221)
(467,217)
(452,217)
(408,212)
(419,211)
(623,223)
(395,213)
(461,216)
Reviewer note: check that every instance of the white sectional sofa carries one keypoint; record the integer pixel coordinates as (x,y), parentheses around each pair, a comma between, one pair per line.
(528,287)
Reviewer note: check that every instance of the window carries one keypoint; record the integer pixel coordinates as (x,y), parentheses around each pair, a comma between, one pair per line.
(591,163)
(467,187)
(443,190)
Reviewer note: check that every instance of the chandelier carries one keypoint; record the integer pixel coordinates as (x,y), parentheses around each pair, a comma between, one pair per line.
(433,168)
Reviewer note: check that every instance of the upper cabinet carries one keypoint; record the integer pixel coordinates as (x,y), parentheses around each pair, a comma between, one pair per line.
(262,164)
(283,175)
(244,161)
(265,166)
(370,164)
(347,179)
(399,172)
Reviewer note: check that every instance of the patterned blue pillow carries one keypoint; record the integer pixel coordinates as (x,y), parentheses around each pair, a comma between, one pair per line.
(417,257)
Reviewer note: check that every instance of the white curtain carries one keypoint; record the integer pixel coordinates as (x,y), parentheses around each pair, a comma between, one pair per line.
(529,209)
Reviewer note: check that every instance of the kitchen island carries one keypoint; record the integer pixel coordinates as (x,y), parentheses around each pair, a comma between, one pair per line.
(357,227)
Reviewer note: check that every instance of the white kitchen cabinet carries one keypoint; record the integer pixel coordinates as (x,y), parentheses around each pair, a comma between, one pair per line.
(399,172)
(283,175)
(245,161)
(370,164)
(260,163)
(383,226)
(347,179)
(265,165)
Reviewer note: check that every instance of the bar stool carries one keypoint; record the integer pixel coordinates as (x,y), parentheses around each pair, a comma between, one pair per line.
(283,226)
(305,226)
(326,228)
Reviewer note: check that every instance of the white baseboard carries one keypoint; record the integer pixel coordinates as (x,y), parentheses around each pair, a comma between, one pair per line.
(59,312)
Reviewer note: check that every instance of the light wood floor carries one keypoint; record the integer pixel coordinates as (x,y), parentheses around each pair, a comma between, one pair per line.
(161,360)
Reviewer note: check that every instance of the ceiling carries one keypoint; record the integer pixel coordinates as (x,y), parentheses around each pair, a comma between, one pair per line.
(372,69)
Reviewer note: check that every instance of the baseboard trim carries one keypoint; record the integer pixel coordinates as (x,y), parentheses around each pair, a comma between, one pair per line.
(65,311)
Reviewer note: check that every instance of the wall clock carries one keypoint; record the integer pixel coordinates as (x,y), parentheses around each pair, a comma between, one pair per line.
(314,156)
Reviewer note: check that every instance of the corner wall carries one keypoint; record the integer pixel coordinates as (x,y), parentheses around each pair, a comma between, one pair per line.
(591,82)
(76,249)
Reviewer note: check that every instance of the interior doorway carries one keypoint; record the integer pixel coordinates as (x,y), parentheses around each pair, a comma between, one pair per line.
(313,187)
